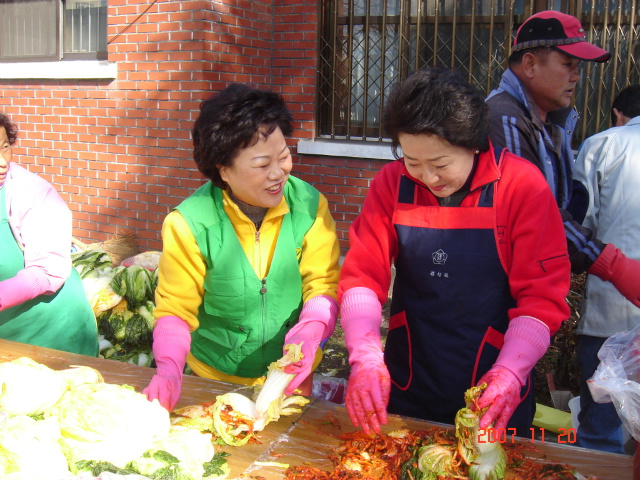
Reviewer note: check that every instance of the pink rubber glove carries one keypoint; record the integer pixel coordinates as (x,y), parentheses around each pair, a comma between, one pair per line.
(317,321)
(613,266)
(525,342)
(26,285)
(369,383)
(171,343)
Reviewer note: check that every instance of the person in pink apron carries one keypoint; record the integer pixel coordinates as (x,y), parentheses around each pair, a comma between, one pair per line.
(481,263)
(42,301)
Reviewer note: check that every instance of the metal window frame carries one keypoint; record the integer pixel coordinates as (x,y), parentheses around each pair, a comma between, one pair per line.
(474,38)
(58,55)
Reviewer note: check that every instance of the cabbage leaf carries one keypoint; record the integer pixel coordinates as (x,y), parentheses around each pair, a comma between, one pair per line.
(29,449)
(28,387)
(107,422)
(236,417)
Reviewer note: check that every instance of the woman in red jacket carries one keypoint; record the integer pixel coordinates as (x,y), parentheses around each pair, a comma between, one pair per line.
(481,263)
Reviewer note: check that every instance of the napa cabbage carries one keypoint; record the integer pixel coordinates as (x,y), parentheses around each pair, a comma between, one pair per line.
(236,417)
(86,262)
(79,375)
(129,329)
(107,422)
(185,453)
(135,284)
(29,449)
(98,290)
(486,460)
(28,387)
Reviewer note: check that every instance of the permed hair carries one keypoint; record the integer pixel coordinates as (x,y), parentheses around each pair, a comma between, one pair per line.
(437,101)
(231,120)
(627,102)
(9,127)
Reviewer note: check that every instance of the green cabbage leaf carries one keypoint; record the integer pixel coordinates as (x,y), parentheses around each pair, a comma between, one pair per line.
(185,452)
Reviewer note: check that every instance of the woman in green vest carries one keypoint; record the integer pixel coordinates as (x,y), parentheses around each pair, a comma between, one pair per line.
(249,260)
(42,301)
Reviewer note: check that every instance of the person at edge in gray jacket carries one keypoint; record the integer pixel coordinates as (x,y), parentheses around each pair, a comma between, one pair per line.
(531,115)
(608,165)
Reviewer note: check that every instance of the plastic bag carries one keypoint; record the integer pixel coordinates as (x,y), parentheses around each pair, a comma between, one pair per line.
(329,388)
(617,378)
(148,260)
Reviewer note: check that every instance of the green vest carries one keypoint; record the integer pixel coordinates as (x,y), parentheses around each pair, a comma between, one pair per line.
(243,318)
(62,321)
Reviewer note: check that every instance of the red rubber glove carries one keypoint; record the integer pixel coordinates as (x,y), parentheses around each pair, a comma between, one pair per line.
(525,342)
(613,266)
(317,321)
(171,343)
(369,384)
(502,393)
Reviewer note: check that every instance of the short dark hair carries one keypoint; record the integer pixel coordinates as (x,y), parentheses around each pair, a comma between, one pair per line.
(9,127)
(439,102)
(627,102)
(231,120)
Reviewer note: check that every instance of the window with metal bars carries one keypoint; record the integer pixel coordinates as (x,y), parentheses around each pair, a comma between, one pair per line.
(367,46)
(51,30)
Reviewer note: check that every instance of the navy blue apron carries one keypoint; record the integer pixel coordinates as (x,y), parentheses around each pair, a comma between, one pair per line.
(449,308)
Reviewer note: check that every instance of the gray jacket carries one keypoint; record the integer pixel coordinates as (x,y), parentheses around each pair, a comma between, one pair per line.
(608,164)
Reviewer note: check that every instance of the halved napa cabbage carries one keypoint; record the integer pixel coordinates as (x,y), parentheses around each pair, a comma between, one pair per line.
(111,423)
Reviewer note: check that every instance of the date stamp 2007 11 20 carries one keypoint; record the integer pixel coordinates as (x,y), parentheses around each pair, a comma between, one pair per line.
(507,435)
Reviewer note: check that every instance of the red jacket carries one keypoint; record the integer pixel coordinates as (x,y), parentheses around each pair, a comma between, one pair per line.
(528,231)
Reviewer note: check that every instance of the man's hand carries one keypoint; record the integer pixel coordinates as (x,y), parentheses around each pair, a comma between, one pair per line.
(614,266)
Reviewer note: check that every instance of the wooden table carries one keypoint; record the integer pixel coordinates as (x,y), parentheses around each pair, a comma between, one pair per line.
(306,438)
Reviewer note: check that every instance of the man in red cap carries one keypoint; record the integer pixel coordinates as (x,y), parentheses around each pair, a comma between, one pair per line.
(531,115)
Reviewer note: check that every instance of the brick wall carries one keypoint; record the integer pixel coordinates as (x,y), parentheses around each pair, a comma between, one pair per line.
(119,151)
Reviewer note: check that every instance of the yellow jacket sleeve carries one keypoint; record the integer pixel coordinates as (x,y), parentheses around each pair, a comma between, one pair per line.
(181,272)
(319,263)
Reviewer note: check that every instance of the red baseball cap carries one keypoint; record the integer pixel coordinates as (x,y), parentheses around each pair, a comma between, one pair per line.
(560,31)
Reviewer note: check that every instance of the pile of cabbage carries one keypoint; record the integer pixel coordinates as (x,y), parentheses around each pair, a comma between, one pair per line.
(122,299)
(235,418)
(71,424)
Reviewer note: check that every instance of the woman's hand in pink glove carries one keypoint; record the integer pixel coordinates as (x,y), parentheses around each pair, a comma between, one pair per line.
(368,396)
(502,396)
(310,337)
(369,383)
(165,386)
(317,322)
(171,344)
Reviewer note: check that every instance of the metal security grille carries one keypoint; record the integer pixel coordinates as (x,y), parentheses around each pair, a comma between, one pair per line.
(85,28)
(367,46)
(48,30)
